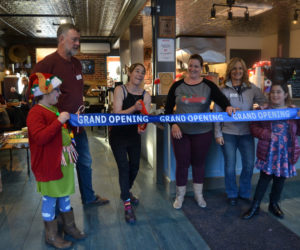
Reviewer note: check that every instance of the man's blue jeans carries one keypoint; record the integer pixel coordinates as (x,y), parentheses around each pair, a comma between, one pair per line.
(245,144)
(84,169)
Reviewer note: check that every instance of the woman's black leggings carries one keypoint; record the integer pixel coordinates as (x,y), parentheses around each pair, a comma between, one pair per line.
(127,154)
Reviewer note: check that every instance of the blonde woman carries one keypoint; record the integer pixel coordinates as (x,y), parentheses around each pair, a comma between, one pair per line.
(236,135)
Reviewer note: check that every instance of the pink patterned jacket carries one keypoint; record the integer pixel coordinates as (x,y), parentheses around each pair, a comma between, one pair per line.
(263,131)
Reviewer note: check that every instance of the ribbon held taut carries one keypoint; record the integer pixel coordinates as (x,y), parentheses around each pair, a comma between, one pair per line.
(104,119)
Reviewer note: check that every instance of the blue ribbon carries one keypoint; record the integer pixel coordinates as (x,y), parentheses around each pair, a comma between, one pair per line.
(103,119)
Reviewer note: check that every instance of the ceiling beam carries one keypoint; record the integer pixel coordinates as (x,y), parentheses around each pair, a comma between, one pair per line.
(128,13)
(12,40)
(34,15)
(12,27)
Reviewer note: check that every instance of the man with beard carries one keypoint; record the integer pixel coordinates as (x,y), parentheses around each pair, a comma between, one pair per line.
(63,64)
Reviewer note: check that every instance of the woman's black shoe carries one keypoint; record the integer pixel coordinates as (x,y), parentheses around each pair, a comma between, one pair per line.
(275,209)
(254,210)
(130,216)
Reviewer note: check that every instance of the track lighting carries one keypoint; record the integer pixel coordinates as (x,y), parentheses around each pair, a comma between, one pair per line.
(230,4)
(213,13)
(247,15)
(295,20)
(229,14)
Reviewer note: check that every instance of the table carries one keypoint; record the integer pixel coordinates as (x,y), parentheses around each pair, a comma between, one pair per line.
(13,104)
(12,144)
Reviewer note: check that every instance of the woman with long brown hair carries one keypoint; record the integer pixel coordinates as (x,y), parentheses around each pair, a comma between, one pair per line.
(125,141)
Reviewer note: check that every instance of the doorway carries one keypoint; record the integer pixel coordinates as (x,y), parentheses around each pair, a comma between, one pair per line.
(113,69)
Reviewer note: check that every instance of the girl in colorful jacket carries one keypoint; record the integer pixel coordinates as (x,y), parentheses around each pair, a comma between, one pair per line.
(277,152)
(52,158)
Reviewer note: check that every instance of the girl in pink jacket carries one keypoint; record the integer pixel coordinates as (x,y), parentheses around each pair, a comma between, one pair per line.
(277,152)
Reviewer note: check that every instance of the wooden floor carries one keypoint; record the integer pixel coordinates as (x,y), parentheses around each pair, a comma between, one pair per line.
(158,225)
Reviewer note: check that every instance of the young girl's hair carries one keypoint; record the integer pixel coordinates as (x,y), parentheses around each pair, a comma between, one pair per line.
(284,86)
(36,99)
(133,66)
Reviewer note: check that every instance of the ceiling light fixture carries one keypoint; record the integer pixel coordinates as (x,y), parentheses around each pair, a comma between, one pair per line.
(295,20)
(229,14)
(230,4)
(213,13)
(246,15)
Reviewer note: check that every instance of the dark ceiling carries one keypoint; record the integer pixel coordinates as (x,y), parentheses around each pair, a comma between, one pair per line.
(99,20)
(107,20)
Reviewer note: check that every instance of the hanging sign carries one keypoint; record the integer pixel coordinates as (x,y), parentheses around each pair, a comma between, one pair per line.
(167,26)
(165,50)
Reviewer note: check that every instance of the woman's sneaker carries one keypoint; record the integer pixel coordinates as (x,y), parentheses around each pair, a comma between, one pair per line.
(129,212)
(134,200)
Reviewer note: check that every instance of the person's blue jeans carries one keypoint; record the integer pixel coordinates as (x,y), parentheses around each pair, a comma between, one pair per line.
(245,144)
(84,169)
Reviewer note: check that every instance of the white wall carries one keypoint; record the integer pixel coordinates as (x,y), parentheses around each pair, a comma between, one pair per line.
(242,42)
(267,45)
(295,43)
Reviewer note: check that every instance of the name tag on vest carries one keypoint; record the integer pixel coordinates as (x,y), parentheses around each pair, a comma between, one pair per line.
(79,77)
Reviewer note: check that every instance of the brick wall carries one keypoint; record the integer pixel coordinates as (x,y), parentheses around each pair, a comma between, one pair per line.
(100,67)
(148,65)
(100,64)
(99,59)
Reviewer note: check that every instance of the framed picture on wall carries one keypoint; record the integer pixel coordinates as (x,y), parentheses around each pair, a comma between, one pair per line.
(88,67)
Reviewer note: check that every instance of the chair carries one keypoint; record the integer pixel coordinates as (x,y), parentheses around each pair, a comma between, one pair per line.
(95,108)
(17,117)
(5,123)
